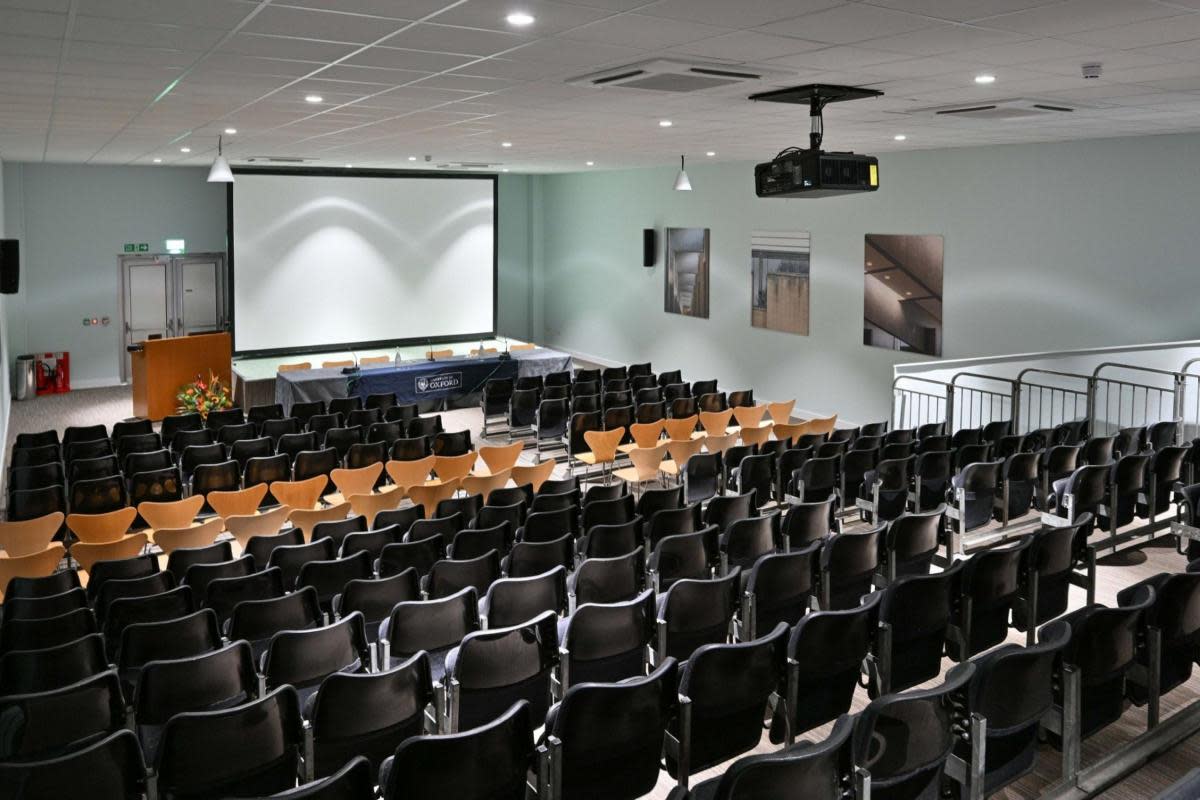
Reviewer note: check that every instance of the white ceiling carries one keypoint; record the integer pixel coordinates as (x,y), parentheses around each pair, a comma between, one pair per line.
(128,81)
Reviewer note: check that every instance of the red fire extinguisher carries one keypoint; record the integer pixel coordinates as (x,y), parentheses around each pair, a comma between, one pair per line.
(53,373)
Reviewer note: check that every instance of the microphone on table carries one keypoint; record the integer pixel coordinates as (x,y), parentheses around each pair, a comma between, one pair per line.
(430,354)
(505,356)
(353,369)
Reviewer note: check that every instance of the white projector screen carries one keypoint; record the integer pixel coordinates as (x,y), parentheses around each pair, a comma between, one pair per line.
(333,261)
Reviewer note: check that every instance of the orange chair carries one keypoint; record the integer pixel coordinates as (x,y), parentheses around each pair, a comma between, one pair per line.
(680,451)
(823,424)
(245,526)
(750,416)
(533,474)
(645,436)
(240,503)
(715,423)
(371,504)
(202,535)
(790,430)
(406,474)
(304,494)
(354,481)
(305,519)
(603,449)
(500,458)
(719,444)
(485,484)
(647,462)
(449,468)
(173,514)
(756,435)
(344,363)
(365,360)
(100,528)
(781,412)
(683,428)
(29,537)
(87,554)
(31,565)
(432,494)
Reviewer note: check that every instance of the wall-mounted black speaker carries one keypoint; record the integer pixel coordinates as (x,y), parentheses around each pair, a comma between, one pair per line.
(649,249)
(10,266)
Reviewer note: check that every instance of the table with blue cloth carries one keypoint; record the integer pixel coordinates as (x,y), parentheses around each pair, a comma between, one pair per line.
(454,382)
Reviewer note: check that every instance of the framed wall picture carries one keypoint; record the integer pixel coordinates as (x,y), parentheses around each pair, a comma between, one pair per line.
(685,280)
(902,307)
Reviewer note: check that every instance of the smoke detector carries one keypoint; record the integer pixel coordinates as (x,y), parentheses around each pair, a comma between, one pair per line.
(1091,71)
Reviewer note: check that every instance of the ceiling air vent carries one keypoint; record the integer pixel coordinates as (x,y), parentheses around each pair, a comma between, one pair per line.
(280,160)
(1021,108)
(665,75)
(468,165)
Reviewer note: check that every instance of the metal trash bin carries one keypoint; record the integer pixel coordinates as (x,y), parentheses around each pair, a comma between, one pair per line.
(25,380)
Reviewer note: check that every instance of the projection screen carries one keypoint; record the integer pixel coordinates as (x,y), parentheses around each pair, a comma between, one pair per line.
(334,260)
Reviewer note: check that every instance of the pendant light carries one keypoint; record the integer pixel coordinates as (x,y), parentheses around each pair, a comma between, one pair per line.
(220,171)
(682,184)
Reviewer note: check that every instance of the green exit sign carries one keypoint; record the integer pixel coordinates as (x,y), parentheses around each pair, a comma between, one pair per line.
(144,247)
(130,247)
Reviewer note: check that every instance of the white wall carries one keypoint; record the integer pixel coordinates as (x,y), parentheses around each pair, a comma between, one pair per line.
(72,221)
(1047,247)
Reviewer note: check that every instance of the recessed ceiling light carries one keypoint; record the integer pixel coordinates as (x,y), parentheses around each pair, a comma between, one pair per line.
(985,78)
(710,153)
(313,98)
(869,264)
(230,131)
(412,158)
(665,123)
(504,169)
(520,19)
(349,166)
(158,161)
(185,149)
(887,277)
(899,137)
(591,163)
(506,144)
(908,294)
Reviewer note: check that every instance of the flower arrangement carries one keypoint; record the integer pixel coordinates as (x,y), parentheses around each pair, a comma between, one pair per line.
(203,396)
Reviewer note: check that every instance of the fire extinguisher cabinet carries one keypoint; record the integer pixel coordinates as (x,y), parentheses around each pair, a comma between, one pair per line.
(53,375)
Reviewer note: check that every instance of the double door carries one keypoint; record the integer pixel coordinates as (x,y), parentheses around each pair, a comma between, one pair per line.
(164,296)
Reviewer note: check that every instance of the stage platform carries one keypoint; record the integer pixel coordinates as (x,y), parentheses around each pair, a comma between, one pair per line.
(448,382)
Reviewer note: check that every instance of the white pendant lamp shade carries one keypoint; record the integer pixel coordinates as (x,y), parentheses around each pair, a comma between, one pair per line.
(220,171)
(682,184)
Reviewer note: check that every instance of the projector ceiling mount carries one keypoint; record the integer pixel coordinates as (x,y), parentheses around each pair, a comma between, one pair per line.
(816,95)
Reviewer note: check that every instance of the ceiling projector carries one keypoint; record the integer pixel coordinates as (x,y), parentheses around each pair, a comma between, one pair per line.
(813,172)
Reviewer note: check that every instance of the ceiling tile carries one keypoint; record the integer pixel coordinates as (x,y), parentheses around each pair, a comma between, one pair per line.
(550,18)
(750,46)
(647,33)
(740,14)
(1074,16)
(284,47)
(849,23)
(960,10)
(321,25)
(401,59)
(451,39)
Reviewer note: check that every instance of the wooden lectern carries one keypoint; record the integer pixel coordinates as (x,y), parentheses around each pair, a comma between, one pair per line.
(161,366)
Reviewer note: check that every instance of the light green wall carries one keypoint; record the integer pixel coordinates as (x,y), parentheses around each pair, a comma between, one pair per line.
(72,221)
(5,374)
(1047,246)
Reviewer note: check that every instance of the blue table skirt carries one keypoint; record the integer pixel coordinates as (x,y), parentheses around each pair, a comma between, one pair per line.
(456,381)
